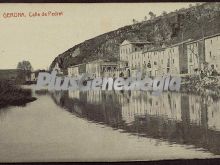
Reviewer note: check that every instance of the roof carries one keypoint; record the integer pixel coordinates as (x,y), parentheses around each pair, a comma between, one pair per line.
(73,66)
(154,49)
(135,41)
(211,36)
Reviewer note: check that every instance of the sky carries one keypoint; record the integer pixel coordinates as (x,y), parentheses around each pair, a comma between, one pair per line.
(40,39)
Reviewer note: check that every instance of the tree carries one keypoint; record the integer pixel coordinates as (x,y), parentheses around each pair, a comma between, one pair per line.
(24,72)
(145,18)
(24,65)
(152,15)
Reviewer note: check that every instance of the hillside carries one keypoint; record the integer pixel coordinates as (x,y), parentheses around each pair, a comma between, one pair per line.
(191,23)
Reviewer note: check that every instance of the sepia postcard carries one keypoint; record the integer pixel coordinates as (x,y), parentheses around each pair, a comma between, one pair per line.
(109,82)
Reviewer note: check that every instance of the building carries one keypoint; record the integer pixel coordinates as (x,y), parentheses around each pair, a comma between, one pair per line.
(34,74)
(76,70)
(99,68)
(160,61)
(163,61)
(94,68)
(153,62)
(131,52)
(195,55)
(73,71)
(187,57)
(212,51)
(128,46)
(173,55)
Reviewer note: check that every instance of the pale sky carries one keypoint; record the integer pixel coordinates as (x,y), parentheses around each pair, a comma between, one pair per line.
(40,39)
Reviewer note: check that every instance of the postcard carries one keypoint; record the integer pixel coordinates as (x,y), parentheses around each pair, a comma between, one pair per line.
(109,82)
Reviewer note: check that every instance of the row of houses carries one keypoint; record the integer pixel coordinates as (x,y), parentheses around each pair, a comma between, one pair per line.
(98,68)
(187,57)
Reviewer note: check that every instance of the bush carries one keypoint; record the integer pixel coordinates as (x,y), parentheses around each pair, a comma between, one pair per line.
(10,94)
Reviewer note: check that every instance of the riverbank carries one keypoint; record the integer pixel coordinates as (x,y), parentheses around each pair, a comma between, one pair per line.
(208,86)
(11,94)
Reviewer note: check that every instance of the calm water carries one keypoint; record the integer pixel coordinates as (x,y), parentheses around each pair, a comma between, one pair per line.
(98,126)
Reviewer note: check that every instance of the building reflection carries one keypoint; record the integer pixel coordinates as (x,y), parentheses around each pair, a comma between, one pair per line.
(172,117)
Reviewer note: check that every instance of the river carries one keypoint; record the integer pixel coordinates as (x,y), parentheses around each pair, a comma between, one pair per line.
(110,126)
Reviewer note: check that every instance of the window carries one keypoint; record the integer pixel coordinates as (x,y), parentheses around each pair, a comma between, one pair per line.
(211,41)
(210,53)
(161,61)
(149,65)
(190,58)
(155,63)
(173,61)
(135,49)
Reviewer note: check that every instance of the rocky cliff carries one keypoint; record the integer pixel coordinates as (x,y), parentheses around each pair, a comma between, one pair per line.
(191,23)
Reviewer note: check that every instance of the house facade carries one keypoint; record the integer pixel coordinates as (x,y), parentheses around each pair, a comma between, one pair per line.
(152,62)
(187,57)
(212,51)
(73,71)
(195,56)
(173,56)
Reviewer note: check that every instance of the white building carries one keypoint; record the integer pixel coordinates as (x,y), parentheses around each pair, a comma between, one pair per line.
(212,51)
(192,50)
(173,56)
(33,76)
(153,62)
(93,68)
(131,52)
(73,71)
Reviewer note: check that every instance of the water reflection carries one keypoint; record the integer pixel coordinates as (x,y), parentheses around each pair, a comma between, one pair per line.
(173,117)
